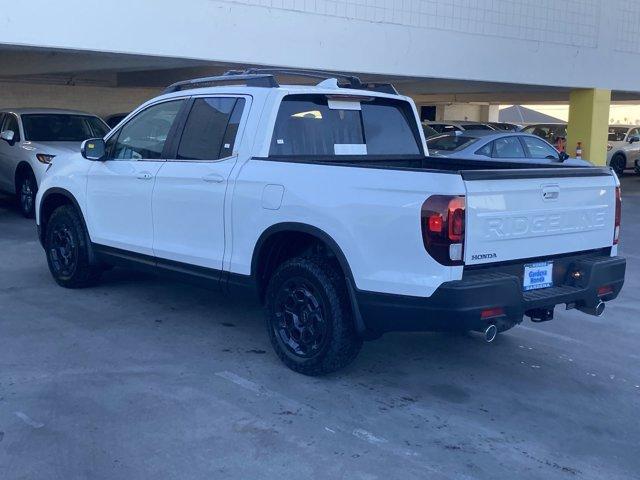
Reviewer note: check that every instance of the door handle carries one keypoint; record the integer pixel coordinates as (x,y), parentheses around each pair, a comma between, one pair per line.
(213,178)
(144,176)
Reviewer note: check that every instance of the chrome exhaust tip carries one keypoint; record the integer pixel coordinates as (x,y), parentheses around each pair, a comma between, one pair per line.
(490,333)
(596,311)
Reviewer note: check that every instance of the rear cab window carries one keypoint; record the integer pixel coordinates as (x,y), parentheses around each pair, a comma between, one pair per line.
(326,126)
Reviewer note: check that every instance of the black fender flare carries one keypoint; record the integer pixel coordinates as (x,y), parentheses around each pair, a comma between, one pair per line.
(330,242)
(302,228)
(67,194)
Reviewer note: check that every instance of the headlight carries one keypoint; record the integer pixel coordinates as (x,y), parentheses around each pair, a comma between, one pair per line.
(609,147)
(44,158)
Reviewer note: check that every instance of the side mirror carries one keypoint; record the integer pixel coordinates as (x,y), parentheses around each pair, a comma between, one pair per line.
(8,136)
(93,149)
(563,156)
(634,139)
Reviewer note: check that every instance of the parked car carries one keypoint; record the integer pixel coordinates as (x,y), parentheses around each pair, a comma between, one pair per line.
(554,133)
(31,139)
(623,149)
(428,131)
(455,126)
(507,127)
(320,201)
(115,119)
(498,146)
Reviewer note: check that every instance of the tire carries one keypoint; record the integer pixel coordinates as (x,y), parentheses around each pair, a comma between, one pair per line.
(26,191)
(67,249)
(637,168)
(309,318)
(618,163)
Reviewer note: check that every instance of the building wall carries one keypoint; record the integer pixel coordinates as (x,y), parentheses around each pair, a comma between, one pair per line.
(571,43)
(102,101)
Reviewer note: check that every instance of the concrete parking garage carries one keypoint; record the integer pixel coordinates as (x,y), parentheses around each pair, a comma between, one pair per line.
(141,377)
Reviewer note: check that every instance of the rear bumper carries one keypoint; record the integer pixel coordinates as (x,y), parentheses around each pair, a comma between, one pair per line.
(458,305)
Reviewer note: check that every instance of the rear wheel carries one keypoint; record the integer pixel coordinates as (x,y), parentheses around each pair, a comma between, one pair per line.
(618,163)
(309,319)
(26,191)
(67,249)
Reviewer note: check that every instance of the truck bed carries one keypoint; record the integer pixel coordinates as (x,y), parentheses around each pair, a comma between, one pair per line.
(456,166)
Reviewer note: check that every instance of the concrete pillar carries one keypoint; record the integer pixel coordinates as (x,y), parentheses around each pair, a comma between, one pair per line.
(589,123)
(462,112)
(489,113)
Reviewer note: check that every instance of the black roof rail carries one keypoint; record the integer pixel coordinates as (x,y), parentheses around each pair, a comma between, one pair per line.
(349,81)
(250,80)
(265,77)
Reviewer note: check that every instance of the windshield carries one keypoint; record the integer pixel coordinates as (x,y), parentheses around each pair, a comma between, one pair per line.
(315,125)
(449,143)
(617,134)
(56,127)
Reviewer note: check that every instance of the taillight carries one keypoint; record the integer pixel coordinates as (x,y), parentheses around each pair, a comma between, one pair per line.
(443,219)
(616,231)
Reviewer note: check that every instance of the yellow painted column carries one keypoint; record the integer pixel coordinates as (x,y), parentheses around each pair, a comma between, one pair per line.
(589,124)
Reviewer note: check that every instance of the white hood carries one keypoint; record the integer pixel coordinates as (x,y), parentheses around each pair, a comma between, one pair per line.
(52,148)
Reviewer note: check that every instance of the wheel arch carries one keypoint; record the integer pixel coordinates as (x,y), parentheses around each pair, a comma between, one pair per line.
(21,169)
(51,199)
(273,235)
(620,153)
(295,228)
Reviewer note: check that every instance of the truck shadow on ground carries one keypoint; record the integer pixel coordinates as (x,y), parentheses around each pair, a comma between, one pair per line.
(462,358)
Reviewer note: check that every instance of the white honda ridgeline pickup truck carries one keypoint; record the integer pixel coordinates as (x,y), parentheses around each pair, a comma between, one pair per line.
(323,202)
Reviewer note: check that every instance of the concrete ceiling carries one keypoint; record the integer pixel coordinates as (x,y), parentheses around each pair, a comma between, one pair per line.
(32,65)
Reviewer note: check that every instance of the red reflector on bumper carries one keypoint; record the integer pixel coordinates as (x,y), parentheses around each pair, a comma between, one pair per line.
(602,291)
(492,312)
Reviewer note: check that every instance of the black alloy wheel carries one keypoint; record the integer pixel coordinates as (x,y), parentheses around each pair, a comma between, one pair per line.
(63,251)
(301,325)
(309,316)
(67,246)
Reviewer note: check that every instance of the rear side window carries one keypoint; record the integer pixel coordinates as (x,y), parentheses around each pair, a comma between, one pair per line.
(508,147)
(486,150)
(539,148)
(211,128)
(306,126)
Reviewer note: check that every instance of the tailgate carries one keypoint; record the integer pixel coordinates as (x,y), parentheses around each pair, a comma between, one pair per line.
(521,214)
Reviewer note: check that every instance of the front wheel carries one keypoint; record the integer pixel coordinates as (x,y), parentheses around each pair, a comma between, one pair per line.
(27,190)
(309,318)
(67,249)
(618,163)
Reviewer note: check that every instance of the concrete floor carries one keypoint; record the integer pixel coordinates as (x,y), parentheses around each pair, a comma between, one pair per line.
(143,378)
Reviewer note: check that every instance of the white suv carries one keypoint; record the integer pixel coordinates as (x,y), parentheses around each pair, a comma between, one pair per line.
(623,149)
(321,201)
(31,138)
